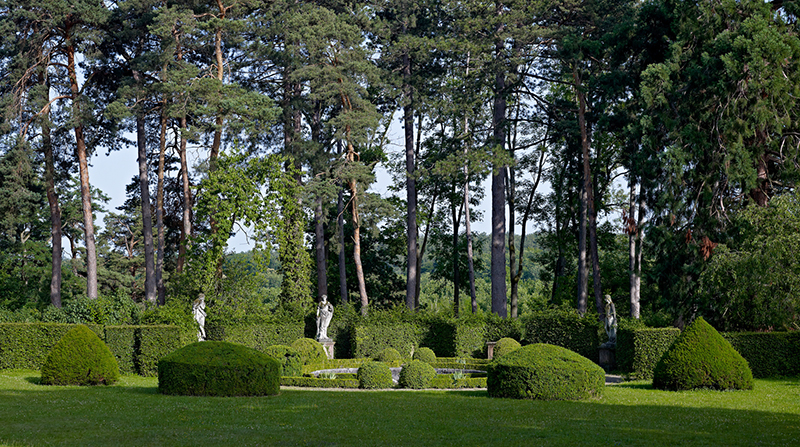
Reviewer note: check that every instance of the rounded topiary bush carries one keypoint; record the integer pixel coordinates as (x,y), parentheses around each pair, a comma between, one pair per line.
(388,355)
(218,368)
(425,354)
(311,351)
(374,375)
(80,358)
(545,372)
(416,374)
(289,358)
(702,358)
(504,346)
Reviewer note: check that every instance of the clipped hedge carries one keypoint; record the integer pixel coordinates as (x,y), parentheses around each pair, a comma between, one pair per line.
(374,375)
(640,349)
(504,346)
(256,336)
(121,340)
(311,351)
(425,354)
(80,358)
(155,343)
(565,328)
(461,363)
(289,358)
(470,340)
(388,355)
(369,340)
(446,381)
(416,375)
(313,382)
(218,368)
(26,345)
(702,358)
(545,372)
(770,354)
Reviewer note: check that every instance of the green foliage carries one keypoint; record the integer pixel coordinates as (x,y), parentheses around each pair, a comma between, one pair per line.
(26,345)
(314,382)
(311,351)
(388,355)
(374,375)
(218,368)
(80,358)
(156,342)
(425,354)
(769,354)
(416,375)
(289,358)
(753,283)
(565,328)
(545,372)
(701,358)
(255,335)
(640,349)
(504,346)
(370,339)
(447,381)
(460,363)
(114,309)
(121,340)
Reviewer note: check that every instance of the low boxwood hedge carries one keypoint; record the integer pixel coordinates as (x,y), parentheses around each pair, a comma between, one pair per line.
(388,355)
(504,346)
(80,358)
(545,372)
(416,375)
(289,358)
(425,354)
(313,382)
(218,368)
(446,381)
(311,351)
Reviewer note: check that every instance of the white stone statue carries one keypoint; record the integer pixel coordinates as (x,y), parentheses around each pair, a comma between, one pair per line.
(611,321)
(324,314)
(199,312)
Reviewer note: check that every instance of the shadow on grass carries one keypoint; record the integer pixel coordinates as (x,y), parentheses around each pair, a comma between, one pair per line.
(635,386)
(36,380)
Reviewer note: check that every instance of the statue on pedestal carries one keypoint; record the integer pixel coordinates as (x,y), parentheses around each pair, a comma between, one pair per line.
(199,313)
(324,314)
(611,322)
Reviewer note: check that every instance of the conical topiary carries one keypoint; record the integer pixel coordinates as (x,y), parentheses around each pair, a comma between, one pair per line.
(80,358)
(702,358)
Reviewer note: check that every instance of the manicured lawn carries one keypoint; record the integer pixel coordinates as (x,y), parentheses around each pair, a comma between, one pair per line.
(133,413)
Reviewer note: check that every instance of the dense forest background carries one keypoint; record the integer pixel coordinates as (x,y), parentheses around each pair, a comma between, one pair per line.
(680,117)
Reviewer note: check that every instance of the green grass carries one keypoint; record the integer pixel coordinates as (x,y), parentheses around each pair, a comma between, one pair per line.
(133,413)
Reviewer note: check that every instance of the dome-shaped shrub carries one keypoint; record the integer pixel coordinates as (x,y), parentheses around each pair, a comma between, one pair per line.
(425,354)
(311,351)
(80,358)
(218,368)
(374,375)
(417,375)
(388,355)
(544,372)
(504,346)
(701,358)
(289,358)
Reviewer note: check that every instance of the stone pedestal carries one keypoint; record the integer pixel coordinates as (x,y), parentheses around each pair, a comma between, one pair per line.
(607,354)
(328,345)
(490,349)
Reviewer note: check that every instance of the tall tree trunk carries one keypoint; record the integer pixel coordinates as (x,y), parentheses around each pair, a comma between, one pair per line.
(583,274)
(83,167)
(631,229)
(55,212)
(639,250)
(498,263)
(162,149)
(188,201)
(319,249)
(412,268)
(456,277)
(353,185)
(340,235)
(147,216)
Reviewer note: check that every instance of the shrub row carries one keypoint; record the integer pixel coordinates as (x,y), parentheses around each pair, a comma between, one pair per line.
(446,381)
(26,345)
(770,354)
(313,382)
(639,349)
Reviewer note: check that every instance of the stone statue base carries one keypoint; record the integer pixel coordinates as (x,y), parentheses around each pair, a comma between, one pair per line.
(490,349)
(607,356)
(328,344)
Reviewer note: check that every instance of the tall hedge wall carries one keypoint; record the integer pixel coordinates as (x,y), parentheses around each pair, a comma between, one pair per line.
(257,336)
(122,342)
(639,349)
(26,345)
(564,328)
(368,340)
(154,343)
(770,354)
